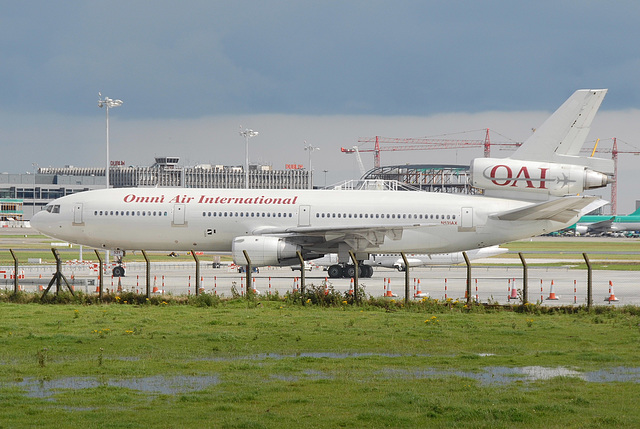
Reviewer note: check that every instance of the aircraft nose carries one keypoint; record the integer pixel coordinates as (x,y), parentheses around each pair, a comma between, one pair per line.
(38,222)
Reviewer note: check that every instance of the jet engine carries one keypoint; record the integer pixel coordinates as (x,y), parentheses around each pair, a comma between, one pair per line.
(582,229)
(497,176)
(263,250)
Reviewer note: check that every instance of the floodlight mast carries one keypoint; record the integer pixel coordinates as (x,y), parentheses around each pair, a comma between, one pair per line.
(310,148)
(107,103)
(247,134)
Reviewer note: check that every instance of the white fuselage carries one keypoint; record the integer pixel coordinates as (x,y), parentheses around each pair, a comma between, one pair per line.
(210,219)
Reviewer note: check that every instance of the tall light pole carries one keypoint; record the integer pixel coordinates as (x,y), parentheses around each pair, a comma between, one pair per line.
(248,133)
(310,149)
(108,103)
(35,172)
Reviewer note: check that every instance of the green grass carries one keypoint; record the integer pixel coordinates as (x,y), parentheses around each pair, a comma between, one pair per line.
(409,366)
(575,245)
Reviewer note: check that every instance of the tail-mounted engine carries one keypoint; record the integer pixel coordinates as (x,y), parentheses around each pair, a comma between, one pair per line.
(539,179)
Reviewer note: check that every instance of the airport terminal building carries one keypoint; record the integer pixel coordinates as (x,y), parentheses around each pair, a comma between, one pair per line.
(26,194)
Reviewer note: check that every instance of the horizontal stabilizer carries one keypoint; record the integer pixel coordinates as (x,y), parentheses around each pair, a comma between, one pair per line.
(559,210)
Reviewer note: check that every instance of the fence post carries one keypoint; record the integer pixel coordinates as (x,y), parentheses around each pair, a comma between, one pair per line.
(406,278)
(148,276)
(356,295)
(248,287)
(195,258)
(525,279)
(466,260)
(100,275)
(15,272)
(589,281)
(302,276)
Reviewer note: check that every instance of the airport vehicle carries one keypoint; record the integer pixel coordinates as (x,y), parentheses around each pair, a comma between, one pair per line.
(395,261)
(530,193)
(597,224)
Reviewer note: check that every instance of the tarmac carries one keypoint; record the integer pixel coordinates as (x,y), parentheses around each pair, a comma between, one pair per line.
(492,282)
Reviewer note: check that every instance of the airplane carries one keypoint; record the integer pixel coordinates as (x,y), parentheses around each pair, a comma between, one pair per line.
(598,224)
(395,261)
(532,192)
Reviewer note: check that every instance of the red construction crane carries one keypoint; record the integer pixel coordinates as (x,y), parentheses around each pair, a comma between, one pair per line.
(614,156)
(401,144)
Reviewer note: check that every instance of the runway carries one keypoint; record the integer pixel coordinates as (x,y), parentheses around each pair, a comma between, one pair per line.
(490,283)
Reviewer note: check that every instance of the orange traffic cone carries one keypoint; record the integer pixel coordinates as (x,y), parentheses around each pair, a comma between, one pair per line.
(389,293)
(514,294)
(119,285)
(155,289)
(419,293)
(552,293)
(612,296)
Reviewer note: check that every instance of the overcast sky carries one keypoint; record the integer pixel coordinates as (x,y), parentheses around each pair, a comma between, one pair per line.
(191,73)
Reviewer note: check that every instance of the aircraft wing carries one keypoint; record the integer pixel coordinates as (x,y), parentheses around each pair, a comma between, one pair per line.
(355,237)
(560,210)
(602,226)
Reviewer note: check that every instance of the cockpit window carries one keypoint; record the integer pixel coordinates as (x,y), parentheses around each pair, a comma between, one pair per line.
(52,208)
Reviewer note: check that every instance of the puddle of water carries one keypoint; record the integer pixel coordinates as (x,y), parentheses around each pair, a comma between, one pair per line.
(182,384)
(36,388)
(613,374)
(506,375)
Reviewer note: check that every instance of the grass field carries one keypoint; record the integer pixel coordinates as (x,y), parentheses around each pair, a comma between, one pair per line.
(274,364)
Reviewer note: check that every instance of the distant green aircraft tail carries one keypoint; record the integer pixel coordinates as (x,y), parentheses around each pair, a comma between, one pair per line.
(637,212)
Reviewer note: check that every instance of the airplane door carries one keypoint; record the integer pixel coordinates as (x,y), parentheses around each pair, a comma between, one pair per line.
(179,215)
(304,216)
(77,214)
(466,217)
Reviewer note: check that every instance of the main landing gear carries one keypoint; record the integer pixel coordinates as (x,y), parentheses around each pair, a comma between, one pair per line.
(337,271)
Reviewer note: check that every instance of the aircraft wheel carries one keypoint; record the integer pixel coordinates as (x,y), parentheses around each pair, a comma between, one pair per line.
(367,271)
(335,271)
(118,271)
(350,271)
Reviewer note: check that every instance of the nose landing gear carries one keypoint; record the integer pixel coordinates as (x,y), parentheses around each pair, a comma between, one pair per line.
(118,270)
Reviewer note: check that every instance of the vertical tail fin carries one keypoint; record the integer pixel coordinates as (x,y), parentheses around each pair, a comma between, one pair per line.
(560,138)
